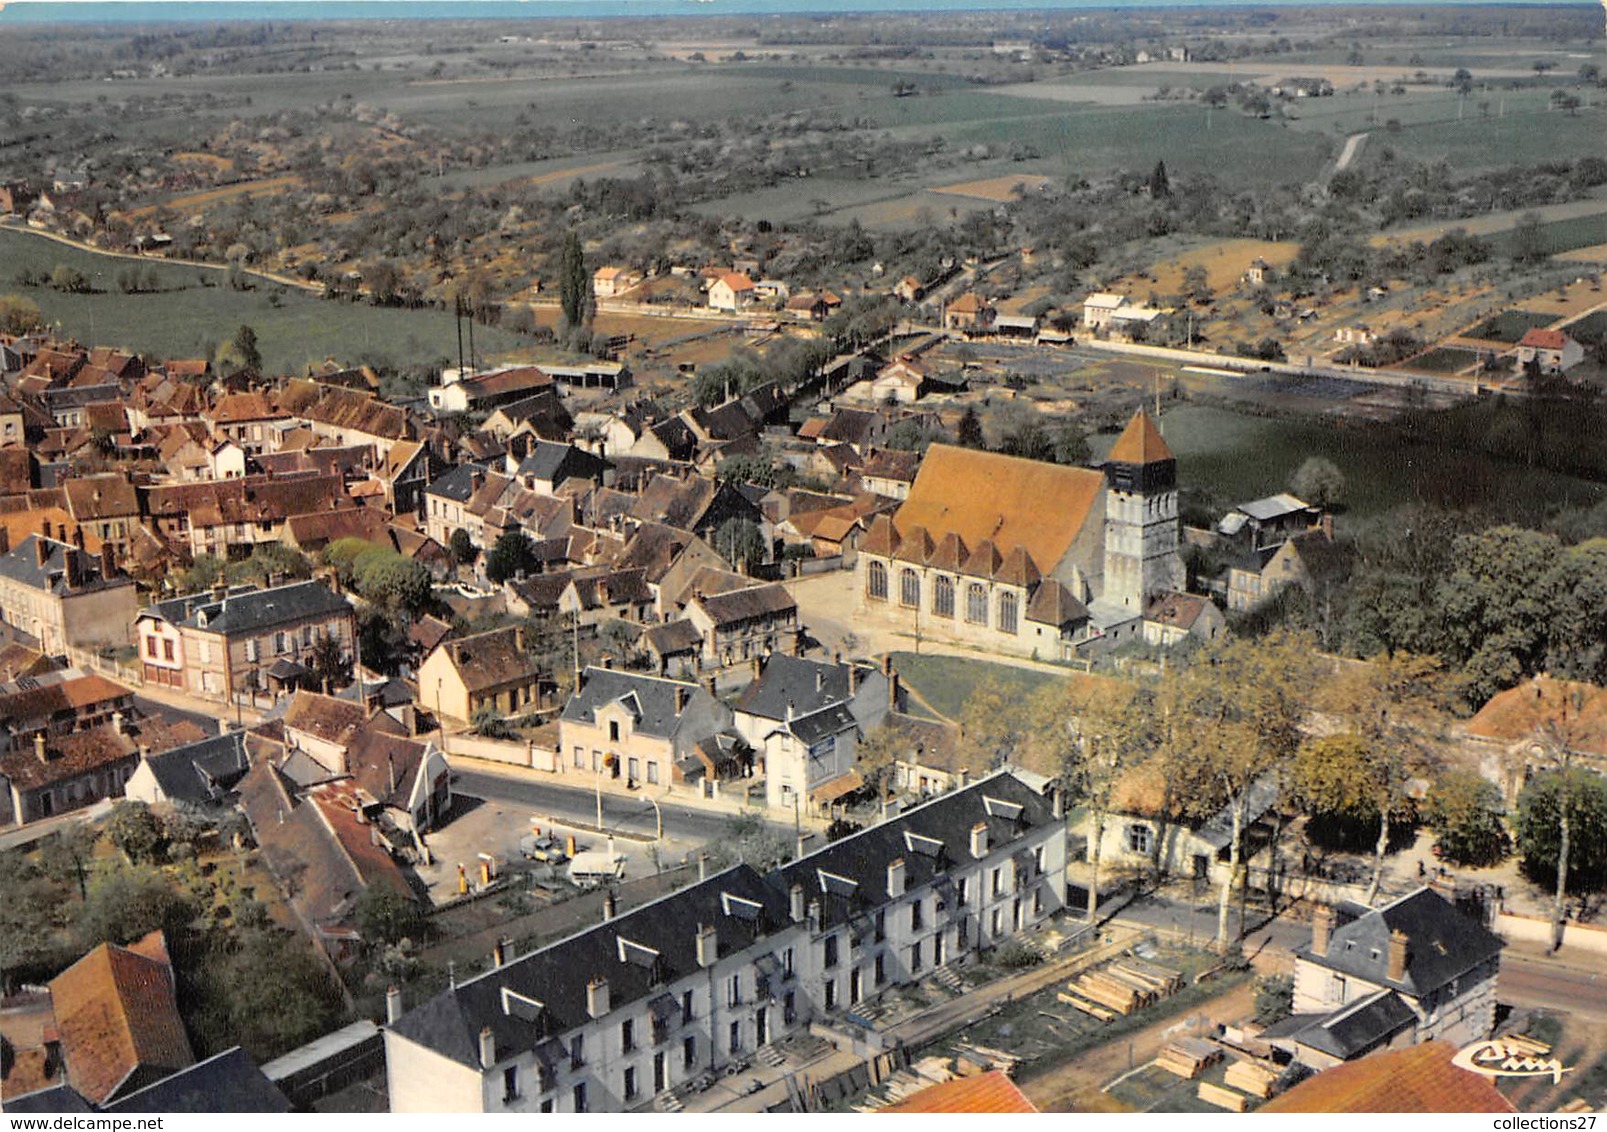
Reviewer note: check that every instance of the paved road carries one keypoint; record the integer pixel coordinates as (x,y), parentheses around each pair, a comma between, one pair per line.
(1534,982)
(578,805)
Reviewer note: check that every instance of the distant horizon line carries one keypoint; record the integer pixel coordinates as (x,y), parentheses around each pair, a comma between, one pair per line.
(232,11)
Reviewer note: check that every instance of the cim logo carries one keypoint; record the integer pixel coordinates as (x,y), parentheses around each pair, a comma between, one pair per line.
(1510,1057)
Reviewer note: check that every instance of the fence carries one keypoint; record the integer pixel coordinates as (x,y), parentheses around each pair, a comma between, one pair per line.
(513,752)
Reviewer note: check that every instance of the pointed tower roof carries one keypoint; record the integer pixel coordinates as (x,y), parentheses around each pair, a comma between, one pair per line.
(1140,442)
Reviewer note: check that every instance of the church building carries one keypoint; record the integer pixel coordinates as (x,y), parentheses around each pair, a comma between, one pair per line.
(1029,557)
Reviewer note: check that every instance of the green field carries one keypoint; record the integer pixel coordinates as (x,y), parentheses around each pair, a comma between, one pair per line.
(1444,359)
(947,682)
(1509,326)
(197,311)
(1559,236)
(1524,136)
(1235,457)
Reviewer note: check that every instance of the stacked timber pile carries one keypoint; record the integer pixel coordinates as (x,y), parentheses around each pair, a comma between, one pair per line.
(1120,987)
(984,1058)
(1223,1098)
(1252,1077)
(1189,1057)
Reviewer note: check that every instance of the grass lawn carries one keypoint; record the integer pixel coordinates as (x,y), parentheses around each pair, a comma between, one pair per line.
(196,312)
(1509,326)
(1527,134)
(1237,457)
(1443,359)
(947,682)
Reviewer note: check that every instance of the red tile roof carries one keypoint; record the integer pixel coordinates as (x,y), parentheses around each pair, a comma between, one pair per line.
(989,1092)
(1140,442)
(117,1013)
(1417,1079)
(1544,339)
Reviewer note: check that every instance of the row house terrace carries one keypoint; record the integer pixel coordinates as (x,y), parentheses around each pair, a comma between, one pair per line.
(221,517)
(642,1003)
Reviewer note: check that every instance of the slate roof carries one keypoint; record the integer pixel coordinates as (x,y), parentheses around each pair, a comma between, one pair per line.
(1442,944)
(808,685)
(1418,1078)
(118,1017)
(56,1098)
(553,463)
(226,1082)
(457,485)
(651,700)
(201,773)
(1325,559)
(750,604)
(22,565)
(863,857)
(673,638)
(252,611)
(1352,1030)
(556,976)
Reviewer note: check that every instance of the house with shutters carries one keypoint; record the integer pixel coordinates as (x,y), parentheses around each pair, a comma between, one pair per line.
(644,730)
(1416,970)
(63,597)
(241,638)
(487,671)
(619,1014)
(805,718)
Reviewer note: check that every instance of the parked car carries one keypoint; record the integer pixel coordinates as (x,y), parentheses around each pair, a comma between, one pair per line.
(543,847)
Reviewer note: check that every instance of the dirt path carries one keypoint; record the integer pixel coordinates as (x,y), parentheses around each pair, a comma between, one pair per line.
(1077,1085)
(1348,154)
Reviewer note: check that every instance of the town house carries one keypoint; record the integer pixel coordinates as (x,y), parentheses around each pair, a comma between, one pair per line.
(638,727)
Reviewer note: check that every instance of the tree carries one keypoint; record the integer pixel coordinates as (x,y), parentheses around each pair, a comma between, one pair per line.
(1094,731)
(1242,703)
(1319,482)
(488,723)
(1274,998)
(462,547)
(136,833)
(386,916)
(126,903)
(68,280)
(246,347)
(1160,185)
(991,725)
(1528,244)
(19,315)
(1391,708)
(265,990)
(513,556)
(1566,101)
(382,638)
(1555,801)
(1465,812)
(876,758)
(740,542)
(397,583)
(970,429)
(331,668)
(574,284)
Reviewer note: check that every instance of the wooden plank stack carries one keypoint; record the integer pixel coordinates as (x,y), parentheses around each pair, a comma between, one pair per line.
(1251,1077)
(1222,1098)
(1189,1057)
(1085,1006)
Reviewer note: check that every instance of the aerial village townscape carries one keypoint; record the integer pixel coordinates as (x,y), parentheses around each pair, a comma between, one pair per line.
(990,561)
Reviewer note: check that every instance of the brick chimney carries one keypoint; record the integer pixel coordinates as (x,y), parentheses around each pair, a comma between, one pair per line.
(393,1004)
(499,954)
(610,909)
(5,540)
(108,561)
(795,902)
(979,840)
(892,688)
(682,696)
(39,748)
(1322,926)
(41,547)
(896,878)
(1397,956)
(488,1048)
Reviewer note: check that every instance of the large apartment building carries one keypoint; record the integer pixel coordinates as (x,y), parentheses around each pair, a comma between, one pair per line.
(609,1018)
